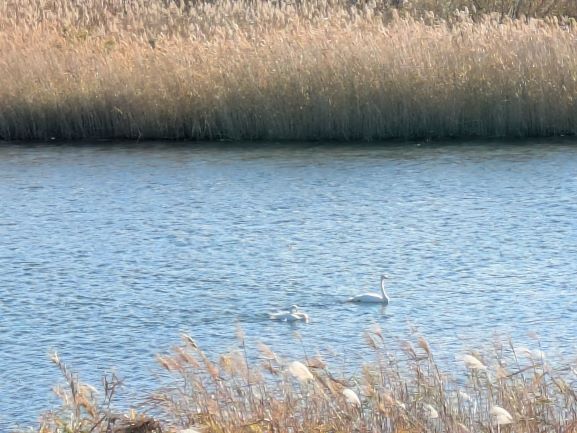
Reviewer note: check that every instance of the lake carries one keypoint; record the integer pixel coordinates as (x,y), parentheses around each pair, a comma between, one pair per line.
(109,251)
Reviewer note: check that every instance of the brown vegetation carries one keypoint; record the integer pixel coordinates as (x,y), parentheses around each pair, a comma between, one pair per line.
(507,390)
(314,70)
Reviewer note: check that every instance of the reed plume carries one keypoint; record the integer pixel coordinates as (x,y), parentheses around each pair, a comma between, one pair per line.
(317,70)
(404,391)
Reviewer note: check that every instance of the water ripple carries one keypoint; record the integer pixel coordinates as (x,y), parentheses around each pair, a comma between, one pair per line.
(108,253)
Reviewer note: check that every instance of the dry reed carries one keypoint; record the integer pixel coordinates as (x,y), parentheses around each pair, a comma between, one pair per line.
(256,70)
(507,390)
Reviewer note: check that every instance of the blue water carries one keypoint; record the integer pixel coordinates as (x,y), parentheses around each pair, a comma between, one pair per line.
(108,252)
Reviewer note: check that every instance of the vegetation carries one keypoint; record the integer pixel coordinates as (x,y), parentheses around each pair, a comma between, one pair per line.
(508,390)
(304,70)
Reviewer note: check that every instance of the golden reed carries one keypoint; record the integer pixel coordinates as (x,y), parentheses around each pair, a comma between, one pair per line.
(508,389)
(315,70)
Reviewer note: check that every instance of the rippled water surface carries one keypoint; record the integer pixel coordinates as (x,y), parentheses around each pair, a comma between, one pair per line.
(108,252)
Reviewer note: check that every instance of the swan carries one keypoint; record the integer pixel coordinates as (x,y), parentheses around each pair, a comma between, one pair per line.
(298,316)
(283,315)
(293,315)
(381,298)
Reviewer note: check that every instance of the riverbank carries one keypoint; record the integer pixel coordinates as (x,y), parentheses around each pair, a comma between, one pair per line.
(508,389)
(260,71)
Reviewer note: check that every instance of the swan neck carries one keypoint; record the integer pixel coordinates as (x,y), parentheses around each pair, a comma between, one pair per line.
(385,296)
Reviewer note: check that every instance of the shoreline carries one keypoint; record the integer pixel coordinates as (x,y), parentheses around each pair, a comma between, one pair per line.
(391,143)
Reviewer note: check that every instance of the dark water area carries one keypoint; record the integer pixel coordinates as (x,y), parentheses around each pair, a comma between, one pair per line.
(109,252)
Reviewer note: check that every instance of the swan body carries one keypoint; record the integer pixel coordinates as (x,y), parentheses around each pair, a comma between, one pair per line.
(283,315)
(373,298)
(293,315)
(298,316)
(369,298)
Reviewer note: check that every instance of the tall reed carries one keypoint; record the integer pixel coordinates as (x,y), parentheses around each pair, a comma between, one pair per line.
(256,70)
(507,389)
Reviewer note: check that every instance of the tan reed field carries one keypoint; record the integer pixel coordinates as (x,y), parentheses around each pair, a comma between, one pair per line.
(254,70)
(506,390)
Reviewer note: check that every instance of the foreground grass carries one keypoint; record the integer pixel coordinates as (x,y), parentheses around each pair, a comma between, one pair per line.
(318,70)
(508,390)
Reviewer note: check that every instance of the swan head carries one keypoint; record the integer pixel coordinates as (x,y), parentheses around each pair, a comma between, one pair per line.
(385,277)
(294,308)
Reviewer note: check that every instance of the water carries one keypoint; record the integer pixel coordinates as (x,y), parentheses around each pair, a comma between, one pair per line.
(108,252)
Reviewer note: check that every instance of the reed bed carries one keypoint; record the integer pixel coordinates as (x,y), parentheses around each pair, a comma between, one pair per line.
(260,70)
(507,389)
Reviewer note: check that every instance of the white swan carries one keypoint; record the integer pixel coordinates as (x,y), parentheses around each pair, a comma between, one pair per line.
(283,315)
(382,298)
(293,315)
(298,316)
